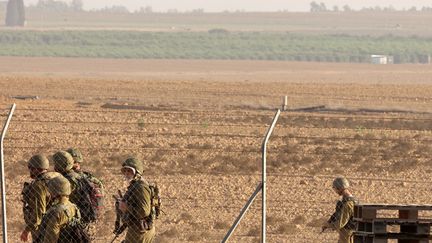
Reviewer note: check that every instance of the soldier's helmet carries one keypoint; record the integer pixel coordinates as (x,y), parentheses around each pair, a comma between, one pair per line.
(59,186)
(76,154)
(38,161)
(134,163)
(341,183)
(63,161)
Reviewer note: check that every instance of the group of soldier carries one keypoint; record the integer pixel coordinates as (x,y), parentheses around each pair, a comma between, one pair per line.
(51,199)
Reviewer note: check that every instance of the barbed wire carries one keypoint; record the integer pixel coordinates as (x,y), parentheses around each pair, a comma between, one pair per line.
(134,133)
(328,114)
(298,114)
(227,150)
(204,124)
(217,93)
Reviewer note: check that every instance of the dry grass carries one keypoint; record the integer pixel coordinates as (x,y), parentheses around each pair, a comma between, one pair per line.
(286,228)
(221,226)
(300,219)
(254,231)
(170,233)
(185,217)
(194,237)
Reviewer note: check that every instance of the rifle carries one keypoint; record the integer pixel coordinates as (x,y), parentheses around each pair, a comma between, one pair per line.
(118,227)
(335,216)
(119,232)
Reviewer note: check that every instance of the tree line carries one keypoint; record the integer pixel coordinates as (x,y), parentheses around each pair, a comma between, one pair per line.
(214,44)
(77,5)
(322,7)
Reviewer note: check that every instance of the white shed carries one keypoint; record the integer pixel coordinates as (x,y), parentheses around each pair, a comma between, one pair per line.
(380,59)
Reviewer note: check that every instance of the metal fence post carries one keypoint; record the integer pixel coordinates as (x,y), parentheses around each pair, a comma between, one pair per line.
(3,188)
(264,176)
(284,103)
(260,187)
(242,213)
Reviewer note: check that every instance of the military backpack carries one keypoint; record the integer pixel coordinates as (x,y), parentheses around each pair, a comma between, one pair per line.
(88,197)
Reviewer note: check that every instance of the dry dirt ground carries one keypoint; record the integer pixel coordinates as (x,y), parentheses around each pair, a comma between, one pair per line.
(199,125)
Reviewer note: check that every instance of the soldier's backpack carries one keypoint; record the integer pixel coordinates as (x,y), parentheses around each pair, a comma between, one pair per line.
(98,194)
(74,231)
(88,197)
(147,222)
(155,201)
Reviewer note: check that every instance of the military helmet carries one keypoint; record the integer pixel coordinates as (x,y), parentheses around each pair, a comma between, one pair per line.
(59,186)
(134,163)
(38,161)
(63,161)
(341,183)
(76,154)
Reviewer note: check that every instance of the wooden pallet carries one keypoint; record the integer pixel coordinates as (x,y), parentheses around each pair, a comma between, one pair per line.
(384,238)
(382,226)
(369,211)
(406,227)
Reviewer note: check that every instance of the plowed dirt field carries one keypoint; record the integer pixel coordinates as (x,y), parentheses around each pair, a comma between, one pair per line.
(198,126)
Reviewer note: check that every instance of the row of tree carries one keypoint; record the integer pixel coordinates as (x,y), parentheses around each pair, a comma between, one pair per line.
(53,5)
(321,7)
(77,5)
(215,44)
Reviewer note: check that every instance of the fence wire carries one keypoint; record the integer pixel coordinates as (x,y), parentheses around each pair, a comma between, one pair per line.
(100,213)
(236,114)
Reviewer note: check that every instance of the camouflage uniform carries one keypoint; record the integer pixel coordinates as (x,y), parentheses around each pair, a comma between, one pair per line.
(342,219)
(35,194)
(139,215)
(60,214)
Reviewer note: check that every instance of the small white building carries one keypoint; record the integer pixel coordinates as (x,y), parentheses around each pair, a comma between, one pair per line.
(381,59)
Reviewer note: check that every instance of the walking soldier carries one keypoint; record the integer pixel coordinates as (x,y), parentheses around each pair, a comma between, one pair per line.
(342,218)
(61,223)
(35,195)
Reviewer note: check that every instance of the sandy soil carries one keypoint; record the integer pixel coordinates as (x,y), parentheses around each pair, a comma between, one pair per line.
(198,126)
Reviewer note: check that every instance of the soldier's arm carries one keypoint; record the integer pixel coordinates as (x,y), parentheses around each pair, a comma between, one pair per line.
(345,214)
(37,206)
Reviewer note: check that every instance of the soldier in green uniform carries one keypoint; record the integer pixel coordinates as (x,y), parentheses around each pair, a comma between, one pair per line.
(63,163)
(136,205)
(35,195)
(78,159)
(60,215)
(342,219)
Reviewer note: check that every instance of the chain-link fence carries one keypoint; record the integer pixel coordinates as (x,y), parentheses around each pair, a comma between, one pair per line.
(207,164)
